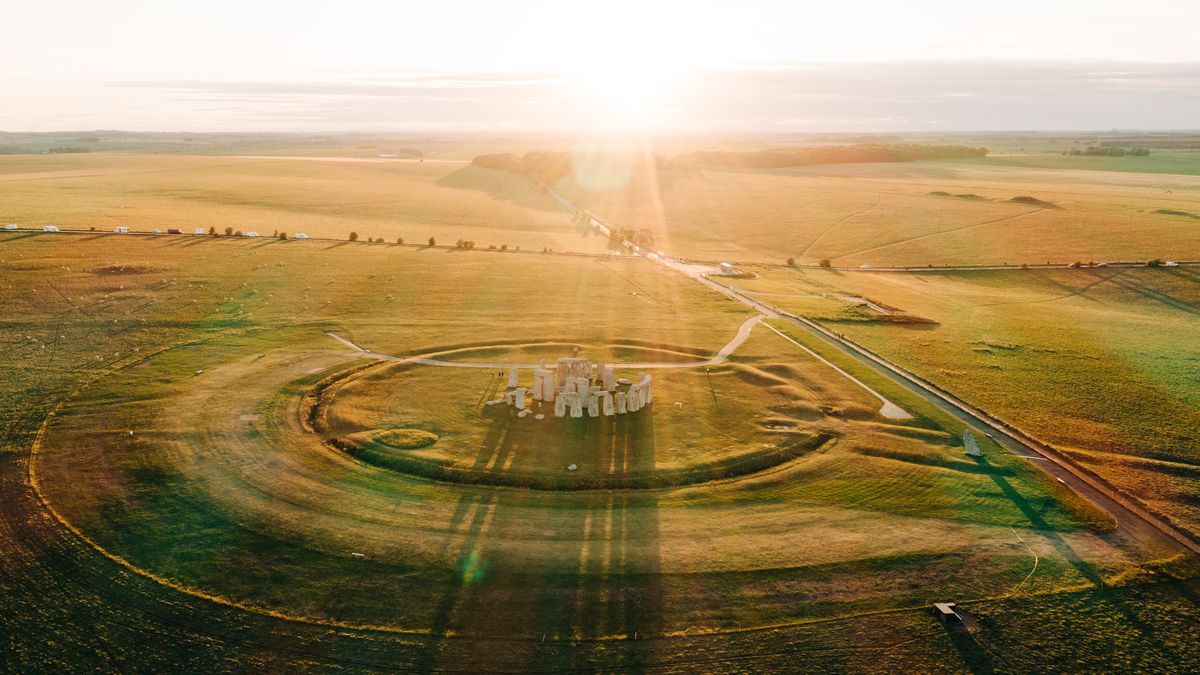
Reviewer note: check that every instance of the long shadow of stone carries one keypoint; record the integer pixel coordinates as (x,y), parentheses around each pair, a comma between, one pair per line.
(1064,548)
(24,235)
(551,568)
(973,654)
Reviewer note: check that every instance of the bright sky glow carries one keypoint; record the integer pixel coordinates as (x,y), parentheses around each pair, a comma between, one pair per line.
(378,64)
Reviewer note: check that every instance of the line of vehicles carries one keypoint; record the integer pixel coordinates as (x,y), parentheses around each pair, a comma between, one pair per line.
(121,229)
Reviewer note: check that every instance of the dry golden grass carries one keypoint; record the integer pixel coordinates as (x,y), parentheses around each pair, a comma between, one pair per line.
(891,214)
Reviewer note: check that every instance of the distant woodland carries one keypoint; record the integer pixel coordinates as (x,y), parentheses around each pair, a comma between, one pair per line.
(550,166)
(832,154)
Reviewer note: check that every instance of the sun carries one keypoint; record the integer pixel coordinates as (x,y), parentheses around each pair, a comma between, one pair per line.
(630,86)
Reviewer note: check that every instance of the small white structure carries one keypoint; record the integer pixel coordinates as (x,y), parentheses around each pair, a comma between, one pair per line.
(970,444)
(251,234)
(49,228)
(300,235)
(121,229)
(728,268)
(11,226)
(200,231)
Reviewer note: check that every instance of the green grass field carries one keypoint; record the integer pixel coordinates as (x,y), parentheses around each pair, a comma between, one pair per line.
(164,472)
(1099,362)
(222,502)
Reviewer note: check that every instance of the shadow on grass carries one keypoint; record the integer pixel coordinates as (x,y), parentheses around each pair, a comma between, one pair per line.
(1064,549)
(1158,296)
(595,571)
(501,185)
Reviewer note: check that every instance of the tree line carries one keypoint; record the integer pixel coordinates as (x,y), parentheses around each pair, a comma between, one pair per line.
(1105,151)
(548,167)
(830,154)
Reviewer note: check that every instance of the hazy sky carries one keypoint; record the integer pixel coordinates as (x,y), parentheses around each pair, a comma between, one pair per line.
(525,65)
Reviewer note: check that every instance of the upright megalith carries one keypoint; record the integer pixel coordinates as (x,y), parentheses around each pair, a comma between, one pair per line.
(577,387)
(969,443)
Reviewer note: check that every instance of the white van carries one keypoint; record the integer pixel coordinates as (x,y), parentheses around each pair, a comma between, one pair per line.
(11,226)
(121,229)
(50,228)
(200,231)
(251,234)
(300,235)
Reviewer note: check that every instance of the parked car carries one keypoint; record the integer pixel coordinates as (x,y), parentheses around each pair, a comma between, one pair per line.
(174,230)
(199,231)
(50,228)
(11,226)
(252,233)
(121,229)
(1170,263)
(300,235)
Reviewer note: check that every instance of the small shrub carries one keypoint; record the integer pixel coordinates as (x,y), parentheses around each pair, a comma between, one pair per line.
(791,262)
(825,262)
(353,236)
(432,241)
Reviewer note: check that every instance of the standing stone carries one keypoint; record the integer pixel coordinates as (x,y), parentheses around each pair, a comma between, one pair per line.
(606,403)
(622,403)
(593,405)
(610,378)
(512,378)
(560,406)
(520,398)
(970,444)
(576,405)
(537,385)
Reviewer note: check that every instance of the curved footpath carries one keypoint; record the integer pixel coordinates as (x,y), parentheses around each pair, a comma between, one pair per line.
(1132,517)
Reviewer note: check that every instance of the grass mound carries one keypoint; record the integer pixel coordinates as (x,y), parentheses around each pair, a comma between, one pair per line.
(390,439)
(1181,214)
(964,195)
(1033,201)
